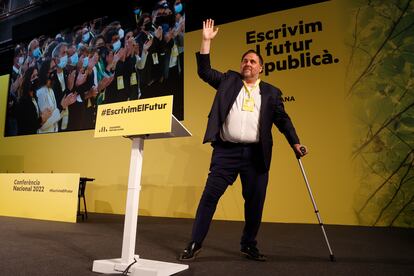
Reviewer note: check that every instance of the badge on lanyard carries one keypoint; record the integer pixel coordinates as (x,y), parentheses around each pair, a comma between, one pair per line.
(120,82)
(174,51)
(155,58)
(248,101)
(248,104)
(134,78)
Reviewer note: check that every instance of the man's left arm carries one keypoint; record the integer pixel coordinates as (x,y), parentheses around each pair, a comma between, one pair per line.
(283,122)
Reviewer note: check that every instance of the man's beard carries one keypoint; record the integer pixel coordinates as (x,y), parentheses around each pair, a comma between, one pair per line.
(247,73)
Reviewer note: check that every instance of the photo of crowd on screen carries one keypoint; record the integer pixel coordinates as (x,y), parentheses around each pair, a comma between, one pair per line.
(57,82)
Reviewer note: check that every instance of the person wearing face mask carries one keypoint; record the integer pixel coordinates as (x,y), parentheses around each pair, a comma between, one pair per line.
(60,80)
(29,117)
(16,77)
(146,36)
(239,129)
(73,57)
(118,89)
(34,53)
(82,83)
(116,45)
(46,97)
(152,71)
(90,88)
(86,36)
(164,19)
(145,30)
(103,72)
(121,33)
(18,61)
(130,75)
(99,44)
(71,68)
(34,49)
(134,63)
(13,95)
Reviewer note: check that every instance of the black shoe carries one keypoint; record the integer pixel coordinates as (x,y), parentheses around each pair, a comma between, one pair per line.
(253,253)
(190,252)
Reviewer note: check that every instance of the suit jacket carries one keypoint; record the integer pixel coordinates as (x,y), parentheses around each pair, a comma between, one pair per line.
(57,88)
(112,93)
(272,110)
(28,120)
(59,92)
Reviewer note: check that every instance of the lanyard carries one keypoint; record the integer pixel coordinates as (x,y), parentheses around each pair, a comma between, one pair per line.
(248,102)
(249,92)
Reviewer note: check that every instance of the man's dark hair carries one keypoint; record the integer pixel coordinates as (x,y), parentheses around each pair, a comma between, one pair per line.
(27,83)
(254,52)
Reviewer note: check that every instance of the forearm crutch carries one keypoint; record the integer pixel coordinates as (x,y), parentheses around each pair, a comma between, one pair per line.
(331,255)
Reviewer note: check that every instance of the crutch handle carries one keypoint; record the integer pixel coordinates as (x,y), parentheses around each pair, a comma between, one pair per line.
(302,150)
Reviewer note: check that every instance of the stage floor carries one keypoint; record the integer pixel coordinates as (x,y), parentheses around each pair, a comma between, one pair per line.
(34,247)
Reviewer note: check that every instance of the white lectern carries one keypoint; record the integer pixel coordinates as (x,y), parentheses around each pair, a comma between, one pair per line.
(141,266)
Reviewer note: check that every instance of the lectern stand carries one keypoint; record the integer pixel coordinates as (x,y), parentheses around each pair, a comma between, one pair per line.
(141,266)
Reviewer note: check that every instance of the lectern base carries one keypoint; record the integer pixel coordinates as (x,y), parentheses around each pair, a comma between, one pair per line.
(142,267)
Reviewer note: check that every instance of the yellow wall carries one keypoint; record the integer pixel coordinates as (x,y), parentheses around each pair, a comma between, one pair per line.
(175,170)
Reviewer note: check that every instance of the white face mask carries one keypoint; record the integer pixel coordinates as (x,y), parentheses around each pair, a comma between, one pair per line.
(85,37)
(116,45)
(63,61)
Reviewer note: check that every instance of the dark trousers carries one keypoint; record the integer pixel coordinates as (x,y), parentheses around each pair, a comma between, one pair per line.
(228,161)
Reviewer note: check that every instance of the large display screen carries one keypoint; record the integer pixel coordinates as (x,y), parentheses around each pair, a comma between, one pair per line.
(58,79)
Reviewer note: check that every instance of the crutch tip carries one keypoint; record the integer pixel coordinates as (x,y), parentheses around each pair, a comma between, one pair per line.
(332,257)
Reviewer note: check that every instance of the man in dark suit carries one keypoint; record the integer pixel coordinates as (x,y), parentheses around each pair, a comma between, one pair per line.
(239,129)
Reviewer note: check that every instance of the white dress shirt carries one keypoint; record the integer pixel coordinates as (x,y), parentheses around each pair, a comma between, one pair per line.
(242,126)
